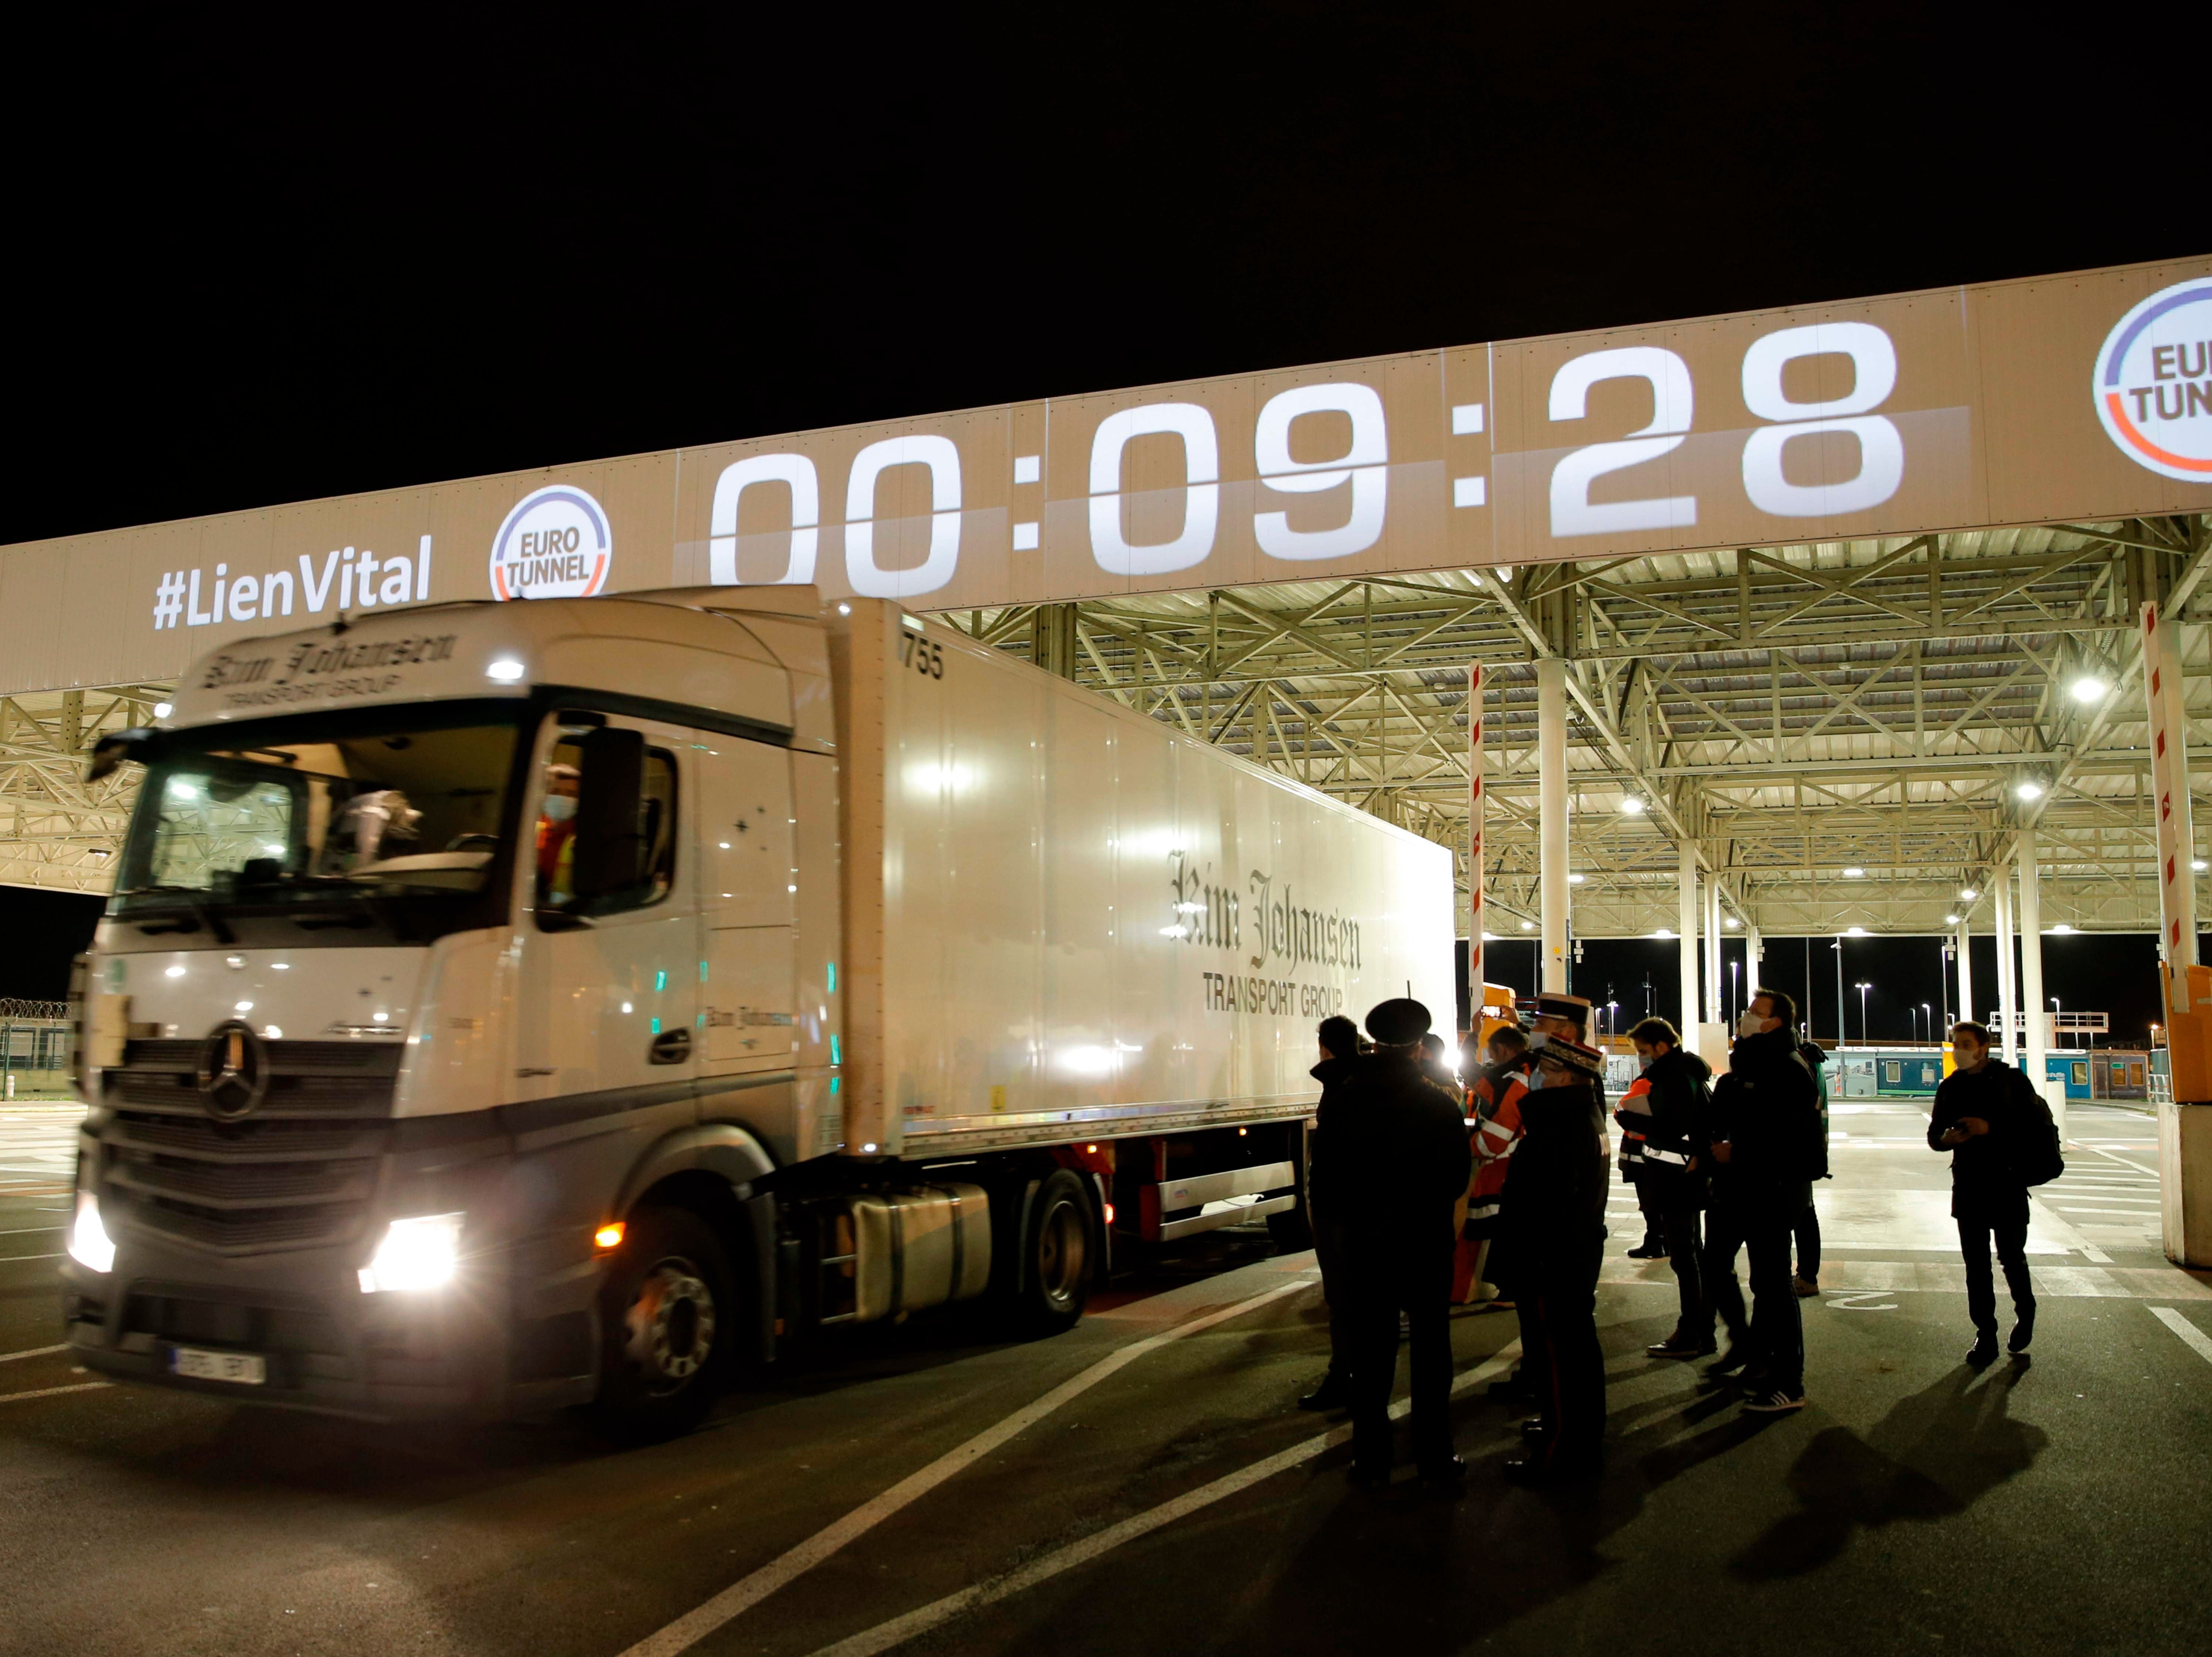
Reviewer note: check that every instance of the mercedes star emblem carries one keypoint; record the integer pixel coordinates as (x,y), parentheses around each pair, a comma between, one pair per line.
(233,1072)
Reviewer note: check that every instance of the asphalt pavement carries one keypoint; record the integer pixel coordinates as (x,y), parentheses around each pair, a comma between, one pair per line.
(1146,1483)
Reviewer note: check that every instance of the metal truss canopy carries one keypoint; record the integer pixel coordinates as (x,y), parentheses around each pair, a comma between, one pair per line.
(1840,727)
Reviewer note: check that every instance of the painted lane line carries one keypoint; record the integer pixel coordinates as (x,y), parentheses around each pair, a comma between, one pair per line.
(34,1352)
(2124,1162)
(55,1392)
(12,1260)
(32,1230)
(884,1635)
(2197,1339)
(748,1592)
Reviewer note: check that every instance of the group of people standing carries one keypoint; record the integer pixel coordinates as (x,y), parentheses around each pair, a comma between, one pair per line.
(1488,1188)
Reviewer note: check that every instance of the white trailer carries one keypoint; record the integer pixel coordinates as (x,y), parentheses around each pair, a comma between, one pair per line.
(506,1006)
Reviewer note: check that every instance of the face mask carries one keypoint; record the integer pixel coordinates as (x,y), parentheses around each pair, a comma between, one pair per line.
(1750,1023)
(1644,1060)
(1539,1039)
(559,808)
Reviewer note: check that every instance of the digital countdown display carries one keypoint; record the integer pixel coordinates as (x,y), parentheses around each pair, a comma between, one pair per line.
(2063,398)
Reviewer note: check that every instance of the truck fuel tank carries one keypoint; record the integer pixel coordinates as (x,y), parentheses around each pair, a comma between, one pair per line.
(900,1251)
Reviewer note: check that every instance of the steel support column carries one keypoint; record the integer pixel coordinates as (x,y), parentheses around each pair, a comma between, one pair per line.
(1713,977)
(2007,992)
(1687,940)
(1966,967)
(2031,956)
(1552,816)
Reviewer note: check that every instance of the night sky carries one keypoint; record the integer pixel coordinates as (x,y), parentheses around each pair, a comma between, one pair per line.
(261,257)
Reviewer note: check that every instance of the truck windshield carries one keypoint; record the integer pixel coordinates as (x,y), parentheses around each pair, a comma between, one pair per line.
(402,802)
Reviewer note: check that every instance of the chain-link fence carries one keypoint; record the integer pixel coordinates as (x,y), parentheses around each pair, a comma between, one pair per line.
(36,1041)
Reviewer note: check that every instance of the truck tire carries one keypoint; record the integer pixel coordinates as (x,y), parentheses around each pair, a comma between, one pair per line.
(669,1320)
(1057,1255)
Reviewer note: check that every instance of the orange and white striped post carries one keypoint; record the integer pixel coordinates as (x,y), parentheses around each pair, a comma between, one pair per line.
(2169,781)
(1475,868)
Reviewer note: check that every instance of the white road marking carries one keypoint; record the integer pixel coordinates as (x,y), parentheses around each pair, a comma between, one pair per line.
(748,1592)
(34,1352)
(10,1260)
(55,1392)
(2197,1339)
(2124,1162)
(884,1635)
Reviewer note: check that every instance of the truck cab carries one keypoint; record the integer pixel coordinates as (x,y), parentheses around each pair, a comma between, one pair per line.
(439,941)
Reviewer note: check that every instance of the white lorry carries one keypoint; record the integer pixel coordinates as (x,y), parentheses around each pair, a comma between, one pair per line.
(506,1006)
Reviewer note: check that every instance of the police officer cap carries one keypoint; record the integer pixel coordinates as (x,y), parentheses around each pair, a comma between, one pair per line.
(1577,1056)
(1398,1022)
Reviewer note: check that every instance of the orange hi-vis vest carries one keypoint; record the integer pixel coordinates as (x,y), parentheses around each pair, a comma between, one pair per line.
(1496,1100)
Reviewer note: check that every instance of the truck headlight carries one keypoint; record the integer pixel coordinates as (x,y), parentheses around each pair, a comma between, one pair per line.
(88,1243)
(422,1253)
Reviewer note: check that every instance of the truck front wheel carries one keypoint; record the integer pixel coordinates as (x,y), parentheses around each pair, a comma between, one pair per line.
(668,1319)
(1056,1255)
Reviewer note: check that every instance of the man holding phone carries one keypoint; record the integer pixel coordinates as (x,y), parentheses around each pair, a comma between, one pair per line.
(1997,1128)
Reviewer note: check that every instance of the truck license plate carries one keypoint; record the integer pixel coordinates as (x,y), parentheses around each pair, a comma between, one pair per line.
(242,1369)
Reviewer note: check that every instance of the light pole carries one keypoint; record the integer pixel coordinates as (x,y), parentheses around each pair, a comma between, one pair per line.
(1838,946)
(1862,986)
(1732,1004)
(1930,1013)
(2054,1021)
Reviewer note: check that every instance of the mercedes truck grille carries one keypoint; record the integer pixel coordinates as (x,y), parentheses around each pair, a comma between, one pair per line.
(296,1171)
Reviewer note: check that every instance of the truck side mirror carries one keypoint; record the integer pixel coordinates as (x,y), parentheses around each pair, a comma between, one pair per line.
(111,751)
(609,844)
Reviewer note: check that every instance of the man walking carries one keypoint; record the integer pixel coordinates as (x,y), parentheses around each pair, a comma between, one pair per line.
(1671,1105)
(1339,1039)
(1766,1119)
(2002,1139)
(1554,1216)
(1398,1165)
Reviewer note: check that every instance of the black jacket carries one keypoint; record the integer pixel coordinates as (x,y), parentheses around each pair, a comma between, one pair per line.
(1767,1107)
(1396,1147)
(1555,1184)
(1677,1089)
(1332,1074)
(1986,1179)
(1816,1061)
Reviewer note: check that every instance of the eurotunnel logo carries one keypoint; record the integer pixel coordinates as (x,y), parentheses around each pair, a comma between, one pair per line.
(555,545)
(2153,382)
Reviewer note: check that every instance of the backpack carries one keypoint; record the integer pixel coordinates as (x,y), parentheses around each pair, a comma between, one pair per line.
(2033,1148)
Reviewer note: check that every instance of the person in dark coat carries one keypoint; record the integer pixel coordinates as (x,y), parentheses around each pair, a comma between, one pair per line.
(1985,1114)
(1766,1145)
(1552,1014)
(1554,1216)
(1808,1228)
(1670,1105)
(1398,1164)
(1339,1038)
